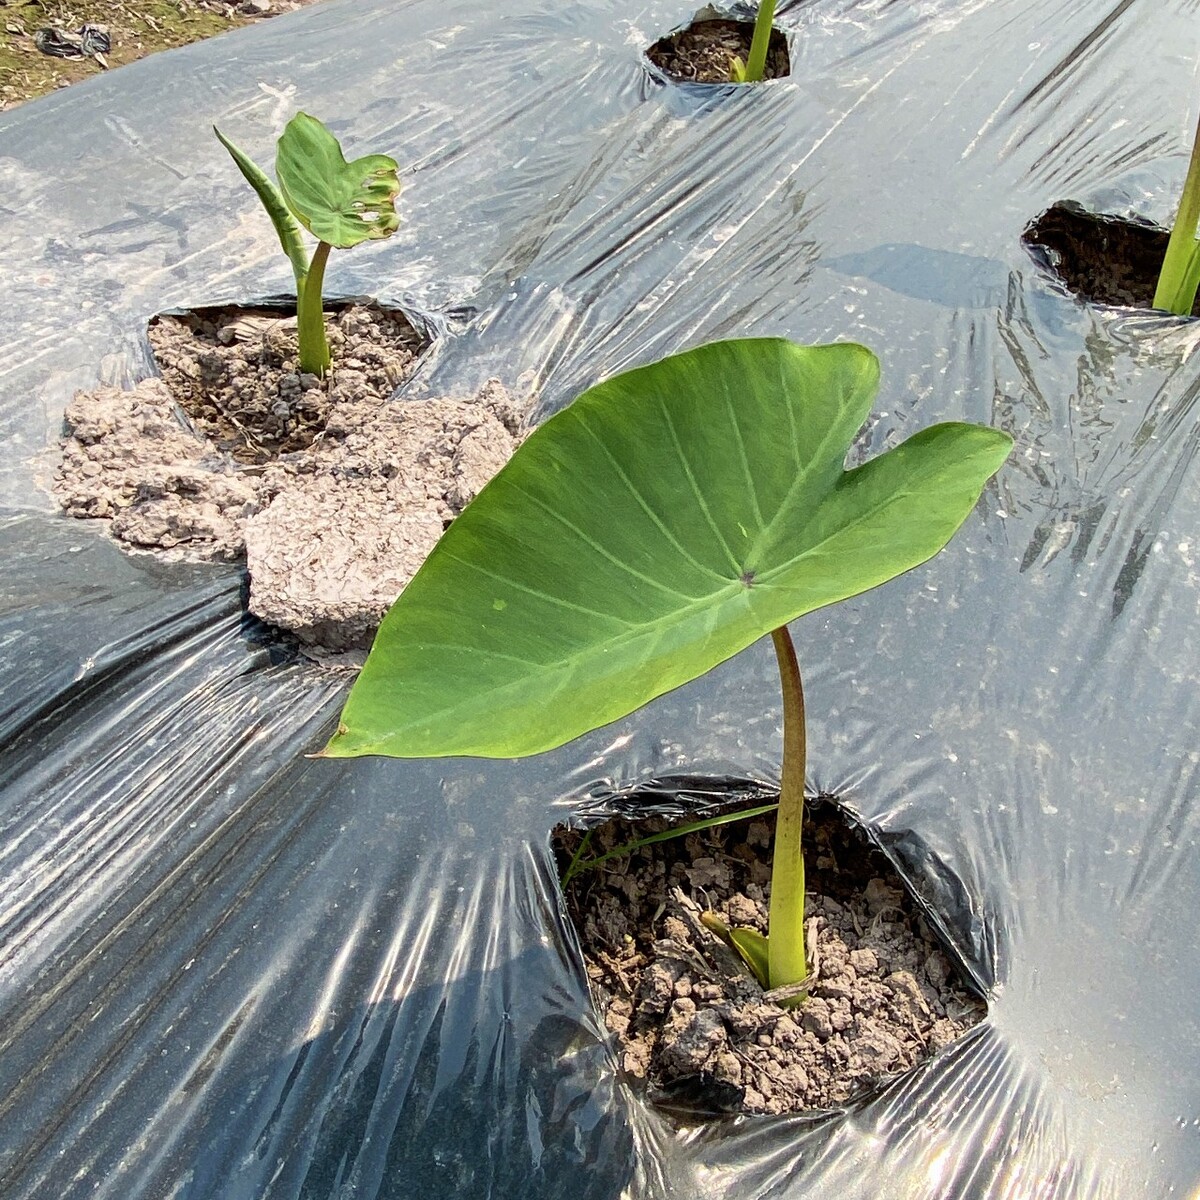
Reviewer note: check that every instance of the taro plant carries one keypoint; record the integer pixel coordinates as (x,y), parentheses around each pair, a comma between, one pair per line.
(1180,275)
(753,69)
(339,203)
(667,519)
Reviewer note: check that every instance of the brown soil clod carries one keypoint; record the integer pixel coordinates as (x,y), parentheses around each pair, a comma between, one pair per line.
(692,1024)
(703,52)
(1102,259)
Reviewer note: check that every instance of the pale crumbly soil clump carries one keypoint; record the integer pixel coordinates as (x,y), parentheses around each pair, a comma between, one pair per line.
(694,1026)
(333,493)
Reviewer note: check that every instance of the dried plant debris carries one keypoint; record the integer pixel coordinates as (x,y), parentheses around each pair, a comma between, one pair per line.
(694,1026)
(704,51)
(333,493)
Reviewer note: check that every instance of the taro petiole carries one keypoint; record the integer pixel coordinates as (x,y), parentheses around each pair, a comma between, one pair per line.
(339,203)
(667,519)
(755,66)
(1180,274)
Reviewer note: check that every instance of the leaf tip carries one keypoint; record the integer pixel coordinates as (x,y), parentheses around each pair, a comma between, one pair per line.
(336,746)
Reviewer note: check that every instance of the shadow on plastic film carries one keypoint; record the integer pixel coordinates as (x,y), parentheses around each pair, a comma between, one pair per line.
(78,615)
(145,723)
(244,900)
(485,1079)
(943,277)
(401,1098)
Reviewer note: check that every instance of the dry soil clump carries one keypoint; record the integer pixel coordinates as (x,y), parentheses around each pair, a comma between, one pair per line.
(333,492)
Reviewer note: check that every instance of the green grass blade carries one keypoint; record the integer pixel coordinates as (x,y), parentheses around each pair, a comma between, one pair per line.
(574,866)
(579,864)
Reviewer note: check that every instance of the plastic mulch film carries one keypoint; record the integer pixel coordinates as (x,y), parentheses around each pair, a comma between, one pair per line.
(228,970)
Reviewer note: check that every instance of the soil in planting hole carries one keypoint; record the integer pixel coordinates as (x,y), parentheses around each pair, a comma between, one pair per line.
(1102,259)
(705,50)
(235,372)
(692,1024)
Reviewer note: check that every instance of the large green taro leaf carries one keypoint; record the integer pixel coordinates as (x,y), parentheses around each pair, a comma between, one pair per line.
(339,202)
(667,519)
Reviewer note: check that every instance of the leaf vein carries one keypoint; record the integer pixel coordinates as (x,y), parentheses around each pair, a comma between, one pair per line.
(699,495)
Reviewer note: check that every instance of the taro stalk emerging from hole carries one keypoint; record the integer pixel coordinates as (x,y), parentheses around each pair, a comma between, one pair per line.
(667,519)
(1180,274)
(339,203)
(753,69)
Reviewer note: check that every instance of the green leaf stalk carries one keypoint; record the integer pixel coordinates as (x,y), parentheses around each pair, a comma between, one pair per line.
(1180,275)
(753,70)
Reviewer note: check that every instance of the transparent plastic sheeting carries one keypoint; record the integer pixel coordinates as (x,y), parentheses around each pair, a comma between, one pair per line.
(229,970)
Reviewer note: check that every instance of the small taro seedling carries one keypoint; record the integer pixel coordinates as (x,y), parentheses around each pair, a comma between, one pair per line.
(753,69)
(339,203)
(1180,275)
(667,519)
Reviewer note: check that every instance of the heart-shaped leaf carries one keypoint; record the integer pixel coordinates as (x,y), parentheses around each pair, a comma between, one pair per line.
(339,202)
(667,519)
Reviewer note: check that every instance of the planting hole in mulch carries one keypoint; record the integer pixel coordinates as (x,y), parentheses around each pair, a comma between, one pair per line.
(234,372)
(692,1024)
(1102,259)
(704,51)
(332,492)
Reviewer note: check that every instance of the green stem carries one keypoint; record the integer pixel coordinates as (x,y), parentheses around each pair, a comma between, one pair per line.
(310,315)
(1176,291)
(785,929)
(756,64)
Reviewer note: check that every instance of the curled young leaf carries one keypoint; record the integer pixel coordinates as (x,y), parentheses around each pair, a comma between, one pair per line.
(290,237)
